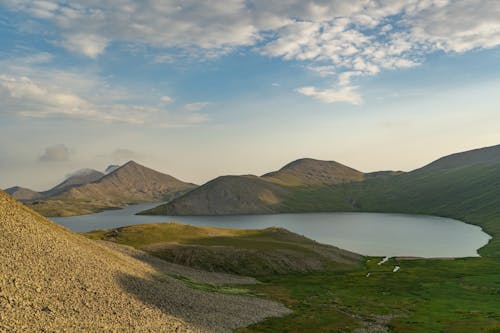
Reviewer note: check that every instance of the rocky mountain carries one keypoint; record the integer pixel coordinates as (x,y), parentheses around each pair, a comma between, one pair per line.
(54,280)
(258,195)
(80,177)
(23,194)
(130,183)
(111,168)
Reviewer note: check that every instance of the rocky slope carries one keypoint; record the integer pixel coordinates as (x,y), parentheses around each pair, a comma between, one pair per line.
(54,280)
(80,177)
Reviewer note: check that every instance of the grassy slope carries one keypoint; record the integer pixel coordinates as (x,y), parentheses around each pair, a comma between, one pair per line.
(471,194)
(461,295)
(246,252)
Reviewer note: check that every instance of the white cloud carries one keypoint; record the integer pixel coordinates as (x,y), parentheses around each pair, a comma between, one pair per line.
(44,93)
(343,94)
(330,36)
(195,106)
(166,99)
(87,44)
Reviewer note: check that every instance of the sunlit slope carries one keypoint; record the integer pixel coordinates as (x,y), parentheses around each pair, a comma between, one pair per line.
(258,195)
(131,183)
(54,280)
(239,251)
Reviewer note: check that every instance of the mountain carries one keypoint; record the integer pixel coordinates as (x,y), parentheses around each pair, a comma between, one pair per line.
(130,183)
(475,157)
(52,279)
(459,185)
(258,195)
(227,195)
(111,168)
(308,171)
(23,194)
(80,177)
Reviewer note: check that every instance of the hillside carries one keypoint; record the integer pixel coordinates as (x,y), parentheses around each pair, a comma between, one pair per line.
(54,280)
(80,177)
(22,193)
(258,195)
(236,251)
(131,183)
(308,171)
(461,186)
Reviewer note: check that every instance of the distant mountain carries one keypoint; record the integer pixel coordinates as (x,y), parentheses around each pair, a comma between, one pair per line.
(458,185)
(308,171)
(23,194)
(111,168)
(476,157)
(227,195)
(80,177)
(258,195)
(130,183)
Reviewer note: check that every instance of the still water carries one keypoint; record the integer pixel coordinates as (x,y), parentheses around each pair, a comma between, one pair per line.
(372,234)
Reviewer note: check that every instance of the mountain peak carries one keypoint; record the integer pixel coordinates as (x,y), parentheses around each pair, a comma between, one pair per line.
(309,171)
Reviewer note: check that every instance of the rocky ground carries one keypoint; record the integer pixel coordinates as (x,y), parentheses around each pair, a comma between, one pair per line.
(52,280)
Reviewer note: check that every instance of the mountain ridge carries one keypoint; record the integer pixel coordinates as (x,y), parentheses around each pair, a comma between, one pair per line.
(454,176)
(130,183)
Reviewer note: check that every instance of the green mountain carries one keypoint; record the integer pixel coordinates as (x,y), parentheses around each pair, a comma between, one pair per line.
(465,186)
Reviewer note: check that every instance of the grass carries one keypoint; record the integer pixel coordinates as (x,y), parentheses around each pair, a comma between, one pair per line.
(213,288)
(425,296)
(459,295)
(237,251)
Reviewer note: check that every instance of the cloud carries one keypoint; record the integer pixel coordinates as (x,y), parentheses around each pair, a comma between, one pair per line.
(331,37)
(195,106)
(87,44)
(166,99)
(41,92)
(344,94)
(56,153)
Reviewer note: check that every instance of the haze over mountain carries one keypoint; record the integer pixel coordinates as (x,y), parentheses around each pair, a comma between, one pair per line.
(79,177)
(22,193)
(130,183)
(54,280)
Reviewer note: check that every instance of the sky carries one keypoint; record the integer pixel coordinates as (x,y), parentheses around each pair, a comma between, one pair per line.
(198,89)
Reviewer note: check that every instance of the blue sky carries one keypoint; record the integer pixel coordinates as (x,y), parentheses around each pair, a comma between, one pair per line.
(234,87)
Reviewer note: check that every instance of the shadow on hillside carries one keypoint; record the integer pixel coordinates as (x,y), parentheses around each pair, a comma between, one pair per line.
(167,296)
(207,311)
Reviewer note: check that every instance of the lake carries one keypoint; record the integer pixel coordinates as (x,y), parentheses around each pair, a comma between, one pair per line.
(373,234)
